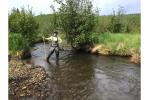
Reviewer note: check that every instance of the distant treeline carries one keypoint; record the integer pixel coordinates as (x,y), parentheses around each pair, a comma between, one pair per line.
(128,23)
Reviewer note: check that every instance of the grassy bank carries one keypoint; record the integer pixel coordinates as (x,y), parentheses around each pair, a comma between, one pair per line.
(19,46)
(119,44)
(17,43)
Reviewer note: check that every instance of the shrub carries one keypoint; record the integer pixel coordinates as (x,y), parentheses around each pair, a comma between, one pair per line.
(76,19)
(17,43)
(116,24)
(23,22)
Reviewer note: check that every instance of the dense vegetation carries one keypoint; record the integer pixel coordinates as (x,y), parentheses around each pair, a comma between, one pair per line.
(77,24)
(22,30)
(131,23)
(119,44)
(76,18)
(17,43)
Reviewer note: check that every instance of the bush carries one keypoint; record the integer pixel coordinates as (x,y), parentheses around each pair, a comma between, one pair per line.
(17,43)
(76,19)
(23,22)
(116,24)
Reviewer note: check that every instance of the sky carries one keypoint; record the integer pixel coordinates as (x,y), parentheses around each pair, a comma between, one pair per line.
(106,6)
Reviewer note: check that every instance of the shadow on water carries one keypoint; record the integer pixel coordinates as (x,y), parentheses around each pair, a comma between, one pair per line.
(80,76)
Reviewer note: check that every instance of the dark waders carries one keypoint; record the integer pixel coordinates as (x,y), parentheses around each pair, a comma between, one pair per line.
(52,50)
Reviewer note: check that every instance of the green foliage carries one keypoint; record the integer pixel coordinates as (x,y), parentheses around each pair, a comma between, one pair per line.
(121,44)
(14,19)
(82,39)
(48,23)
(131,23)
(22,30)
(119,22)
(17,42)
(116,24)
(76,18)
(44,22)
(102,25)
(23,22)
(102,38)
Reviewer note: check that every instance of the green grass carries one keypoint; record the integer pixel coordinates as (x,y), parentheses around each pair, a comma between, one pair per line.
(121,44)
(17,43)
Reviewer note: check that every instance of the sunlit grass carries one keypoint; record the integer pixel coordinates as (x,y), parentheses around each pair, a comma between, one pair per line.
(121,43)
(17,43)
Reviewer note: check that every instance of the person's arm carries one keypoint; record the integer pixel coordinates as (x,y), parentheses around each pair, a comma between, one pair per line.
(59,40)
(60,45)
(50,38)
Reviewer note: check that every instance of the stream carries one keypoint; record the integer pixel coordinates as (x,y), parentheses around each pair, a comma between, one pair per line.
(82,76)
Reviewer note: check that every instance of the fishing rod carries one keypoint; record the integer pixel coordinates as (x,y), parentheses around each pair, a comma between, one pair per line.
(44,46)
(54,22)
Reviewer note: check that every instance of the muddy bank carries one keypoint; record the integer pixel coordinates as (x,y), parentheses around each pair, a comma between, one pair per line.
(135,58)
(20,54)
(119,51)
(26,80)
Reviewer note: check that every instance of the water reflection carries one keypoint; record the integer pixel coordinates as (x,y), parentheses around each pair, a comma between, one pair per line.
(78,76)
(73,80)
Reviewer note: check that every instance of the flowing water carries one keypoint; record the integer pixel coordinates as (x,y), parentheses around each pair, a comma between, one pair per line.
(81,76)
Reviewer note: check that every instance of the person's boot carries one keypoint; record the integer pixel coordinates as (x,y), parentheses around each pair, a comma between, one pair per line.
(47,59)
(49,55)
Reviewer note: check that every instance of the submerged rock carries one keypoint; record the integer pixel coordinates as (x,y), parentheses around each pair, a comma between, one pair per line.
(26,80)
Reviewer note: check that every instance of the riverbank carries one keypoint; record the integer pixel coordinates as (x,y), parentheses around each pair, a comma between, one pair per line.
(118,45)
(110,44)
(26,80)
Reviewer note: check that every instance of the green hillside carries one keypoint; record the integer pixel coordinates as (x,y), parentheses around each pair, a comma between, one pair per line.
(44,23)
(130,21)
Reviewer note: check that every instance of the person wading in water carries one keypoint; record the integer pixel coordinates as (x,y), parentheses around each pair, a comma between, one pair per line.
(54,46)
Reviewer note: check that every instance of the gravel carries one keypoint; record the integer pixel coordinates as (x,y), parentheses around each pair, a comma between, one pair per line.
(27,81)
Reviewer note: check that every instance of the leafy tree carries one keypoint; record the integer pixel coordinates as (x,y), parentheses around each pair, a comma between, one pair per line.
(76,18)
(116,24)
(14,19)
(23,22)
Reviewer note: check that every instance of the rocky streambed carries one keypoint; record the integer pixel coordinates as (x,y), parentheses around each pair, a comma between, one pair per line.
(26,80)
